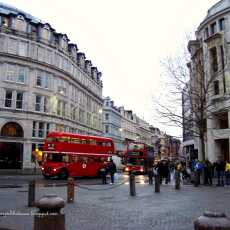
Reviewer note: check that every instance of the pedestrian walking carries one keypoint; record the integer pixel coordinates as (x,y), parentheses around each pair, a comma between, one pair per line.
(150,175)
(103,172)
(112,169)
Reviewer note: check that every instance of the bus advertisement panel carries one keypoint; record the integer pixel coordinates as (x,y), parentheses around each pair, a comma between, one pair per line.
(67,154)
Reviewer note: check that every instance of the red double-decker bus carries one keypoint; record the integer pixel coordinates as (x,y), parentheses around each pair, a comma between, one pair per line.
(138,157)
(68,154)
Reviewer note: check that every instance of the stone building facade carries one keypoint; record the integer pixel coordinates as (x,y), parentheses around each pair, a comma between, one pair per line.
(45,85)
(124,125)
(212,46)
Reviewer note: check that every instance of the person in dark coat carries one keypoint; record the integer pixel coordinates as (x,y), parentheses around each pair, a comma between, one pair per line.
(112,169)
(220,168)
(150,175)
(208,172)
(103,172)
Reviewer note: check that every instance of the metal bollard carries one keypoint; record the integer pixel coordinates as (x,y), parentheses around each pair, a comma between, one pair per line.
(49,216)
(31,193)
(212,221)
(70,190)
(157,183)
(132,184)
(177,180)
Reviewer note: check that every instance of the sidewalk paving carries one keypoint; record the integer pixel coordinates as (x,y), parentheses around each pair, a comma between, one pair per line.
(114,209)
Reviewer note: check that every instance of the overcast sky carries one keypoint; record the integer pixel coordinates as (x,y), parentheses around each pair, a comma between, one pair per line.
(125,40)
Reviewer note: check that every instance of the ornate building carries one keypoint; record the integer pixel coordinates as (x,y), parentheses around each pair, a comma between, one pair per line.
(210,50)
(45,84)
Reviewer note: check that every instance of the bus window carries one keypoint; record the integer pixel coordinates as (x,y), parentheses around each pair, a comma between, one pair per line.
(55,157)
(64,139)
(100,143)
(65,158)
(92,142)
(75,141)
(83,141)
(51,139)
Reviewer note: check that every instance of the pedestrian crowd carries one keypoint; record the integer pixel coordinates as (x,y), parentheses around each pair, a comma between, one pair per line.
(192,172)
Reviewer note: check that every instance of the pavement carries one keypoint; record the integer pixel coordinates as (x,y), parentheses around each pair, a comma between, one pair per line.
(109,206)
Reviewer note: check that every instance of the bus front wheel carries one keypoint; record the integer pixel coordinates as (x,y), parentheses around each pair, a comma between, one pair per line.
(63,174)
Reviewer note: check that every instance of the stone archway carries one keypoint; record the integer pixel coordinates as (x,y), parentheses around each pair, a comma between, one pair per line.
(11,150)
(12,129)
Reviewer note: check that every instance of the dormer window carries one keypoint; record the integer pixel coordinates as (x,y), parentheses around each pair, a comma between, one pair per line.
(64,42)
(213,28)
(20,23)
(46,32)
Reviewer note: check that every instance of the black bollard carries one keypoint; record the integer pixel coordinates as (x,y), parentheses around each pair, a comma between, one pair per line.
(177,180)
(157,183)
(49,216)
(31,193)
(212,221)
(70,190)
(132,184)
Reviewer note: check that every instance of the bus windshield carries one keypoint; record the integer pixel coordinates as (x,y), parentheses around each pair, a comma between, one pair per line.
(135,161)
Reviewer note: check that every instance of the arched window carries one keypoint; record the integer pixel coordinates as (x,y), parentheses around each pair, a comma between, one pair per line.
(12,129)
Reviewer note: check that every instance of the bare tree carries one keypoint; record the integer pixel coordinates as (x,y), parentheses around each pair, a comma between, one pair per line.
(187,83)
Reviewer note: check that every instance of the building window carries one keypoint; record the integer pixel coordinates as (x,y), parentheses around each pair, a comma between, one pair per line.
(12,46)
(38,103)
(222,24)
(23,47)
(21,74)
(216,87)
(40,129)
(63,109)
(8,98)
(88,119)
(213,28)
(45,108)
(106,128)
(214,63)
(47,128)
(19,100)
(73,112)
(39,79)
(59,108)
(46,32)
(222,56)
(11,72)
(43,79)
(34,129)
(81,115)
(206,33)
(106,116)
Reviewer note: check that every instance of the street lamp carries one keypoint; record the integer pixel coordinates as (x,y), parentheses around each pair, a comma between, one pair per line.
(100,111)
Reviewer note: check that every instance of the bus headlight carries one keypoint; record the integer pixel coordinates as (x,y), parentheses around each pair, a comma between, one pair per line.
(54,169)
(126,169)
